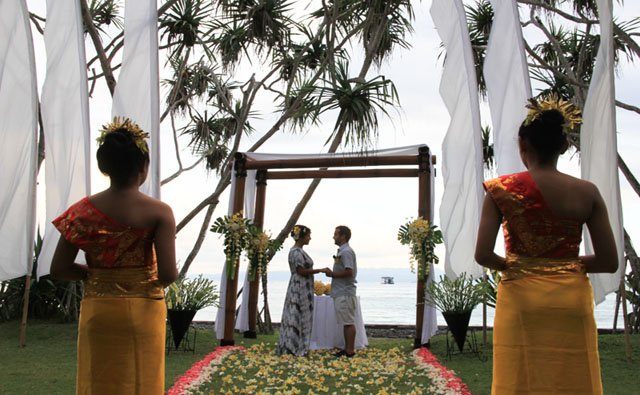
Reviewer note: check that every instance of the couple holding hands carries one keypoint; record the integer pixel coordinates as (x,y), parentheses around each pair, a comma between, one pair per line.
(297,314)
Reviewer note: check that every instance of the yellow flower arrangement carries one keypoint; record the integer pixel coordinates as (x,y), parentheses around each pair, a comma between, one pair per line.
(320,288)
(422,238)
(235,230)
(260,247)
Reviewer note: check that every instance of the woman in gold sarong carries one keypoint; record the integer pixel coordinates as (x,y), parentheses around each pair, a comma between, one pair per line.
(121,331)
(545,337)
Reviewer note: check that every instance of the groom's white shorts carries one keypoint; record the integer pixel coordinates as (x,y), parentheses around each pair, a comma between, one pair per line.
(345,309)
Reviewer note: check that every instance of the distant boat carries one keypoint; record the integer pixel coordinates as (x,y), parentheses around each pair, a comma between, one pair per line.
(386,280)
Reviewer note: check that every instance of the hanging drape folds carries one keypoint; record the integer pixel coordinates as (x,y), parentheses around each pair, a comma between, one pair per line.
(462,145)
(18,140)
(598,147)
(508,85)
(65,116)
(137,92)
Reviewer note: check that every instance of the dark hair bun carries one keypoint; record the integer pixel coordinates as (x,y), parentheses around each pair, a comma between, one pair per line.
(545,134)
(119,157)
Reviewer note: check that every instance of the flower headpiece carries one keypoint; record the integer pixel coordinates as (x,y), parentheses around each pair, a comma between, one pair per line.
(296,232)
(125,123)
(571,113)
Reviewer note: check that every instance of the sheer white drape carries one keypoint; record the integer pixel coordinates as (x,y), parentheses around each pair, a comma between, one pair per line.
(598,146)
(462,145)
(137,93)
(65,115)
(18,140)
(249,201)
(508,86)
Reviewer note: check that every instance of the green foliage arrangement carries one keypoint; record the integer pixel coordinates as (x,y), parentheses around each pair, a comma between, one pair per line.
(242,235)
(492,281)
(260,247)
(455,296)
(235,229)
(422,238)
(194,294)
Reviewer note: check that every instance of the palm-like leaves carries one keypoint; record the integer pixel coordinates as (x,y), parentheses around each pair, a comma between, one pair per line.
(188,83)
(105,12)
(230,40)
(488,156)
(263,24)
(181,24)
(358,103)
(388,22)
(210,136)
(480,19)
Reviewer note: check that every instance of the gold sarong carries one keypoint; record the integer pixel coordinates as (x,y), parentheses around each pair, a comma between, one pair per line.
(545,337)
(121,346)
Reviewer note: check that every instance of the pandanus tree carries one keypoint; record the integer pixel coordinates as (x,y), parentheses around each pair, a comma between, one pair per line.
(561,52)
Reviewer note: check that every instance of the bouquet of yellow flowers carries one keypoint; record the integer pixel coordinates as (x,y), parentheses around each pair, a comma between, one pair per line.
(320,288)
(259,247)
(422,238)
(234,229)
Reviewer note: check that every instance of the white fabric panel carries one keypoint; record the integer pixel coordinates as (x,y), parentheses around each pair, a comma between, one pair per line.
(462,145)
(65,114)
(18,140)
(325,331)
(598,146)
(430,318)
(137,93)
(508,84)
(242,322)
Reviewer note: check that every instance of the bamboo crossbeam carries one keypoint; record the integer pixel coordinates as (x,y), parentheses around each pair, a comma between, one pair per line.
(371,173)
(332,162)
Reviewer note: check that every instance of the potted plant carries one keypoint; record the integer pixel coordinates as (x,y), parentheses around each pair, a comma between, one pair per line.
(456,300)
(184,298)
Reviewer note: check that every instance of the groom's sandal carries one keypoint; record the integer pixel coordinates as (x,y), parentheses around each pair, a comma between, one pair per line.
(349,355)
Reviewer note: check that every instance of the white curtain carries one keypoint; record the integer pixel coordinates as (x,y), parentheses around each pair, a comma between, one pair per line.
(462,145)
(598,146)
(18,140)
(508,85)
(242,322)
(137,93)
(65,115)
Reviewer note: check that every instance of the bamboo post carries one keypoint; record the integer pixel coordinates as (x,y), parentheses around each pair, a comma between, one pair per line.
(232,285)
(627,341)
(484,314)
(25,310)
(258,220)
(424,211)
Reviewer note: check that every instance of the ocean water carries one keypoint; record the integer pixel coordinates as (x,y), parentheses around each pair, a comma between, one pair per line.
(396,304)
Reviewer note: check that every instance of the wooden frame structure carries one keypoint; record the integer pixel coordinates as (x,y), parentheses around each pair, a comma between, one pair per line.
(423,170)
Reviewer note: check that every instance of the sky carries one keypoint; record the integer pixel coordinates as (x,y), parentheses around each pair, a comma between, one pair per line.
(373,208)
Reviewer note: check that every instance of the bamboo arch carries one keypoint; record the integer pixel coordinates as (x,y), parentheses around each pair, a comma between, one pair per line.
(423,168)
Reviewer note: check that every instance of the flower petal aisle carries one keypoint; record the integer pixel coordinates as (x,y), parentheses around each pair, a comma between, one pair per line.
(258,370)
(444,380)
(201,371)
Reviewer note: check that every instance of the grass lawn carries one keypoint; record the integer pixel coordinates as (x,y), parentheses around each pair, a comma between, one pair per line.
(47,363)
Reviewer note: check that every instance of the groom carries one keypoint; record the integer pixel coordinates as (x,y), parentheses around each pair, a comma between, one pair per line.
(343,288)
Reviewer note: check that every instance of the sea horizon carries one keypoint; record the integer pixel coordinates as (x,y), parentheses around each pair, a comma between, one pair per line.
(394,304)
